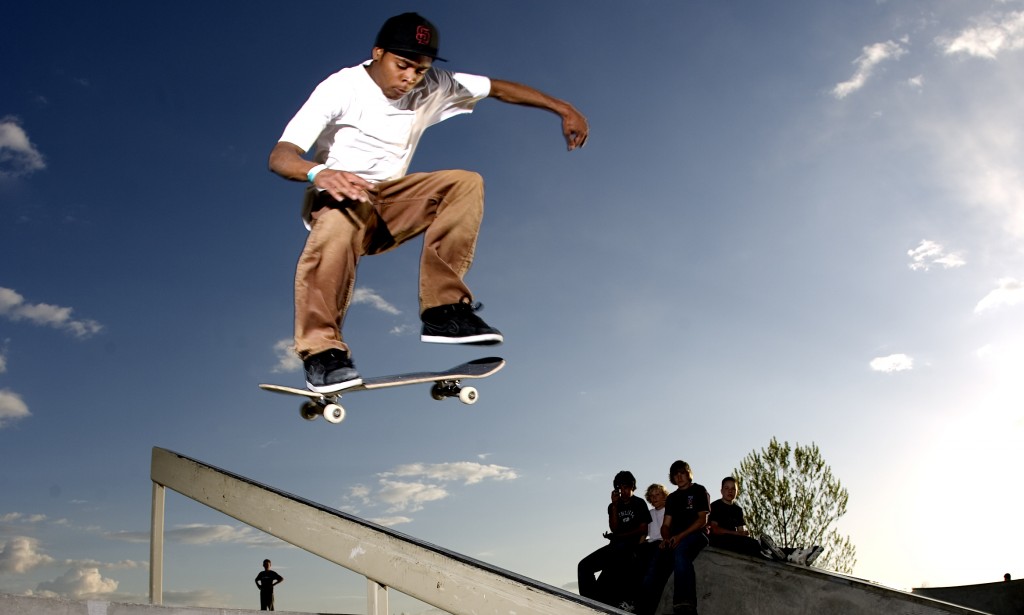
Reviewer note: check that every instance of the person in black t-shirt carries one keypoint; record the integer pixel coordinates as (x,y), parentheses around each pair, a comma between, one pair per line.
(729,531)
(684,536)
(728,528)
(266,580)
(628,519)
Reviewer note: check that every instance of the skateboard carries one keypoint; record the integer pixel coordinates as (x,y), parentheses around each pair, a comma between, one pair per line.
(446,384)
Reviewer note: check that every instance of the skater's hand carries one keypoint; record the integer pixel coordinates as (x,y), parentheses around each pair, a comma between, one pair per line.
(286,160)
(343,185)
(575,128)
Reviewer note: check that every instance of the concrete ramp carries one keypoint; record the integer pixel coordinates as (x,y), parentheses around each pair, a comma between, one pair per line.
(444,579)
(729,583)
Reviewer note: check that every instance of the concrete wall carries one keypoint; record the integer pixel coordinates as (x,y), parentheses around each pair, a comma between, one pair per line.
(1001,598)
(731,584)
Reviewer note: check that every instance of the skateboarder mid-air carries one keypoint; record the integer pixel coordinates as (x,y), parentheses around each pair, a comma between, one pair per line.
(363,124)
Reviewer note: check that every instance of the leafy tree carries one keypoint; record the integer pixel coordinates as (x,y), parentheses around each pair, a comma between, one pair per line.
(790,494)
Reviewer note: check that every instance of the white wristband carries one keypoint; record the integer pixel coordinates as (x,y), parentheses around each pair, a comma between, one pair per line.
(312,172)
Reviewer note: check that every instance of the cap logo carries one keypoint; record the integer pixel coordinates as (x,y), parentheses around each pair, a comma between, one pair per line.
(423,35)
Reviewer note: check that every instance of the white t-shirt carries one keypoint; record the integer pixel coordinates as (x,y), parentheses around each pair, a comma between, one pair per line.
(355,128)
(654,529)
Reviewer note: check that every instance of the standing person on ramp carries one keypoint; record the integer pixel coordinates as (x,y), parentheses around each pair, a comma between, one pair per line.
(363,124)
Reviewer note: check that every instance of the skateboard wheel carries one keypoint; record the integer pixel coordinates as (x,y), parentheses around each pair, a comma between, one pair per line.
(334,413)
(468,395)
(309,411)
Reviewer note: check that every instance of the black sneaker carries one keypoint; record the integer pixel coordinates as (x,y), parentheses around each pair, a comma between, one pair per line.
(457,324)
(769,544)
(331,371)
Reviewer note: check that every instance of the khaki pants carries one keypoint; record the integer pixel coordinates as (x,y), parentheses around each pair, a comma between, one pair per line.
(446,207)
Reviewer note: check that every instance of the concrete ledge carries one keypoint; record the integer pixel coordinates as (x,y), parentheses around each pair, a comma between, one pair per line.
(31,605)
(999,598)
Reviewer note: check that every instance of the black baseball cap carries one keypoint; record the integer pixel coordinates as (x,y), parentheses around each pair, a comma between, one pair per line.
(409,33)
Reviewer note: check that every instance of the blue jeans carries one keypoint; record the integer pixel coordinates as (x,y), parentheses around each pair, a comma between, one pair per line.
(680,562)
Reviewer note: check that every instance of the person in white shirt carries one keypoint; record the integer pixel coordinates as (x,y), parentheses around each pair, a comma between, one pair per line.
(363,124)
(655,496)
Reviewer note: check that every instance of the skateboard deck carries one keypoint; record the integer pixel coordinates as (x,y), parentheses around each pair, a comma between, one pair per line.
(446,384)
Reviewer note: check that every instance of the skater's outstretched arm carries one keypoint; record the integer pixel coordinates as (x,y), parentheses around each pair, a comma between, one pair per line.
(574,124)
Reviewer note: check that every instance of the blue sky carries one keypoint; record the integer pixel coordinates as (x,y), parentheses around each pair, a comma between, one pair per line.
(800,219)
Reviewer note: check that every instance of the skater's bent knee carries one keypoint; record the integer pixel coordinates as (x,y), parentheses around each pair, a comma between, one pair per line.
(470,179)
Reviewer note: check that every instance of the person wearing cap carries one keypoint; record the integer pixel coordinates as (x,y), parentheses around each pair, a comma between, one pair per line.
(363,124)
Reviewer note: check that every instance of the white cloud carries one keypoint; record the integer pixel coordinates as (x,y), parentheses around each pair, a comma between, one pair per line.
(979,157)
(14,307)
(125,564)
(406,496)
(391,521)
(871,56)
(412,495)
(18,156)
(12,407)
(78,583)
(987,351)
(992,35)
(467,472)
(929,253)
(287,360)
(1010,292)
(203,534)
(21,554)
(402,330)
(22,518)
(370,297)
(892,363)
